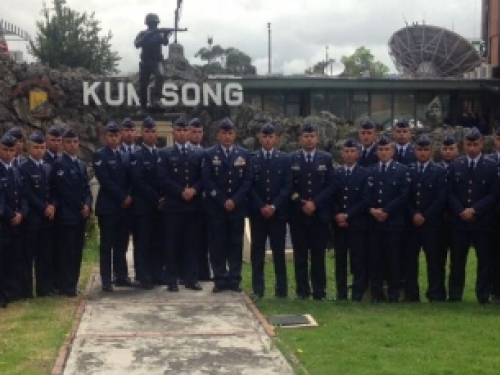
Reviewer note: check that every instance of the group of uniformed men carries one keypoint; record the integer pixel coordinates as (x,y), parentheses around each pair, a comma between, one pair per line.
(185,208)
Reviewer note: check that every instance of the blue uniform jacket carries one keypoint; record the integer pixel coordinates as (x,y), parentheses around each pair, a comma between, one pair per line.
(112,172)
(177,172)
(350,196)
(226,178)
(146,191)
(312,181)
(271,184)
(37,190)
(478,191)
(71,189)
(427,194)
(13,196)
(389,191)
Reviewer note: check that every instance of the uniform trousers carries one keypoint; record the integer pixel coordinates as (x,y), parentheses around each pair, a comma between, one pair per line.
(182,244)
(275,230)
(309,238)
(225,243)
(71,240)
(462,240)
(350,244)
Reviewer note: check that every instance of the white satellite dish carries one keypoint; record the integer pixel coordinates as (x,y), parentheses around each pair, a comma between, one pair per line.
(334,68)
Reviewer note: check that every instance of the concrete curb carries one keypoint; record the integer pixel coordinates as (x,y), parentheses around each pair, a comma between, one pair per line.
(258,315)
(58,368)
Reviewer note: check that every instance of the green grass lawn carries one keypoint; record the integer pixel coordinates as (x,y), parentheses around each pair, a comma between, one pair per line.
(361,338)
(32,332)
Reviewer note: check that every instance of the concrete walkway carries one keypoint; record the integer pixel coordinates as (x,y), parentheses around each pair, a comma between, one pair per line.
(133,331)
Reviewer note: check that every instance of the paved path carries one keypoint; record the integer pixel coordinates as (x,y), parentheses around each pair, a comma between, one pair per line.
(133,331)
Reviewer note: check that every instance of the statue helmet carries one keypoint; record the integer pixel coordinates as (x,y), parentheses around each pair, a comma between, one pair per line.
(151,18)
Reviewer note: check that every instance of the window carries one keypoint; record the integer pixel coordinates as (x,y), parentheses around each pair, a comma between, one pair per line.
(274,104)
(404,107)
(359,110)
(381,109)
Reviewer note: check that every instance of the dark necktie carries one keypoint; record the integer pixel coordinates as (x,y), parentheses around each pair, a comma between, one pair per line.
(183,150)
(365,152)
(10,174)
(42,170)
(401,153)
(383,168)
(421,168)
(268,155)
(309,158)
(471,166)
(227,152)
(348,172)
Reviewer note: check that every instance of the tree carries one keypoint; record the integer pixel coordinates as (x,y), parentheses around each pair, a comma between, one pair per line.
(318,68)
(361,61)
(68,38)
(221,60)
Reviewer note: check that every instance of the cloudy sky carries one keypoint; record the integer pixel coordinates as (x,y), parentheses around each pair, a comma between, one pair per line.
(301,28)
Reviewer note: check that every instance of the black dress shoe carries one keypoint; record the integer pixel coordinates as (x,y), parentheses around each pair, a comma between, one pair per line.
(484,301)
(107,288)
(235,288)
(181,282)
(302,296)
(146,286)
(3,304)
(256,296)
(281,295)
(208,278)
(193,286)
(173,288)
(454,299)
(218,289)
(124,282)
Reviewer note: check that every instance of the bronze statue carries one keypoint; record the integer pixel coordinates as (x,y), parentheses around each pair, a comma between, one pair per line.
(151,41)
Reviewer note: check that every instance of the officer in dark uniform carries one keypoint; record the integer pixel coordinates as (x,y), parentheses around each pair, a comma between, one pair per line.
(13,218)
(388,184)
(368,137)
(113,209)
(146,208)
(180,171)
(227,177)
(427,198)
(53,141)
(74,202)
(495,252)
(310,213)
(36,176)
(195,140)
(151,42)
(269,199)
(473,198)
(405,152)
(448,153)
(350,204)
(17,133)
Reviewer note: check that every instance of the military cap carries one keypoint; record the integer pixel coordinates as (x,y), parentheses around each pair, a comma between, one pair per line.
(350,143)
(473,134)
(497,131)
(423,141)
(384,141)
(8,140)
(402,123)
(307,128)
(226,124)
(195,123)
(367,124)
(449,140)
(112,127)
(127,123)
(37,137)
(181,121)
(55,131)
(16,132)
(149,123)
(69,133)
(268,129)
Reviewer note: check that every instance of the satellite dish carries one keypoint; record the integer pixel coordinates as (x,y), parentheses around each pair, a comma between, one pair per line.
(334,68)
(432,52)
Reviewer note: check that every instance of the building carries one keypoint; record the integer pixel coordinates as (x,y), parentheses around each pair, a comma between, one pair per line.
(422,101)
(490,19)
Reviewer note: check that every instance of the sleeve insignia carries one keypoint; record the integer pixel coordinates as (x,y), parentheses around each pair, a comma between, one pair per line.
(98,162)
(213,193)
(60,172)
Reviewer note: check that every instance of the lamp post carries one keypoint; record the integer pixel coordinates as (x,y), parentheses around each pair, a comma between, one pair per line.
(269,47)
